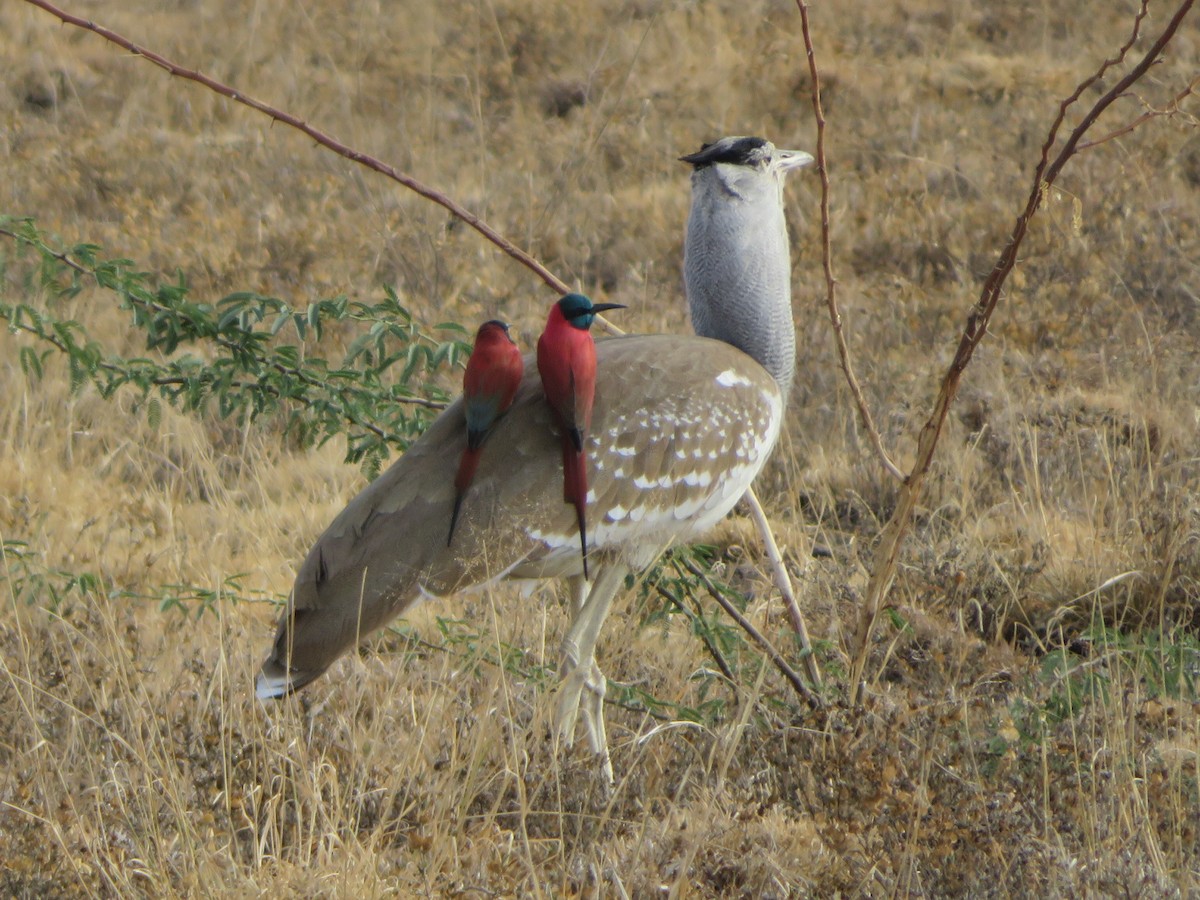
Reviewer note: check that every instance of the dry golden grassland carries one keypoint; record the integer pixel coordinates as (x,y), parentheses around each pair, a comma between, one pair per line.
(1031,724)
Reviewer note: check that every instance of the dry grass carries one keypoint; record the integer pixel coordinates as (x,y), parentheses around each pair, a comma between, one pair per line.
(133,759)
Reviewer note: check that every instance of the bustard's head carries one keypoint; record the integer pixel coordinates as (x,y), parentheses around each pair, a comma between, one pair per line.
(745,165)
(736,261)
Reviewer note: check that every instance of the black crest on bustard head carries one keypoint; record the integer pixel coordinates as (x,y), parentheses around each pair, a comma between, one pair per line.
(737,151)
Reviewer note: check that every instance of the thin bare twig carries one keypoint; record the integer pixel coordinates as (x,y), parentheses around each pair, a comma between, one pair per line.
(324,139)
(1168,112)
(713,650)
(835,316)
(747,626)
(887,553)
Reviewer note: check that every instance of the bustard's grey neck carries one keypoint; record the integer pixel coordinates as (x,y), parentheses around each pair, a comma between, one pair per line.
(736,263)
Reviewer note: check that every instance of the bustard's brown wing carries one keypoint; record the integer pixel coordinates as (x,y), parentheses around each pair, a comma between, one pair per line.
(680,427)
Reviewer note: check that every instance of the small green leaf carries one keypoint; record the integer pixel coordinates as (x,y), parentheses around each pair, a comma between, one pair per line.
(31,364)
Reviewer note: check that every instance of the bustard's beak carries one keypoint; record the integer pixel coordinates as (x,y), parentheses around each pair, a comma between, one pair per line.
(786,160)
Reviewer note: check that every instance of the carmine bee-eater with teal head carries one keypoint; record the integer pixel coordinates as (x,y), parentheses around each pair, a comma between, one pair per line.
(493,373)
(566,359)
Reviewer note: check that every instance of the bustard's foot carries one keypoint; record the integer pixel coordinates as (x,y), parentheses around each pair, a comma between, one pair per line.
(582,691)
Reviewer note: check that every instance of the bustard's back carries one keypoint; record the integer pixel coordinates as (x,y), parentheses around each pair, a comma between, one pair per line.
(680,426)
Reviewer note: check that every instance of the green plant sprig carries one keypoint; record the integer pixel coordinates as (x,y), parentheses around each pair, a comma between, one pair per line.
(379,396)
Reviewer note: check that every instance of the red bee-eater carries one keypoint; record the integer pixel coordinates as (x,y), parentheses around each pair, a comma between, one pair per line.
(566,358)
(493,373)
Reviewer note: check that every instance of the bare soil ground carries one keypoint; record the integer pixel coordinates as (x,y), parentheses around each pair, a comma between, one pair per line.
(1031,725)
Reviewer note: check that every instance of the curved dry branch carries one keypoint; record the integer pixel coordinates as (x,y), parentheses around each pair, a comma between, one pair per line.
(835,316)
(886,555)
(321,137)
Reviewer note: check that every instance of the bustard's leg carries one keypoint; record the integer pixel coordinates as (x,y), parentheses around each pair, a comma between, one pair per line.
(587,683)
(579,669)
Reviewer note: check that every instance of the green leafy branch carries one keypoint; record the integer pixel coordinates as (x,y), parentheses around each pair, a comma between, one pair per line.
(379,396)
(678,578)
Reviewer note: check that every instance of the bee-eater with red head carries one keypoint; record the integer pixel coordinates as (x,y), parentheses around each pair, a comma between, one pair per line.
(566,358)
(493,373)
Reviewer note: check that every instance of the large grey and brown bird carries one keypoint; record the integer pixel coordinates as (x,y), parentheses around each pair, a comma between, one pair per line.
(681,425)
